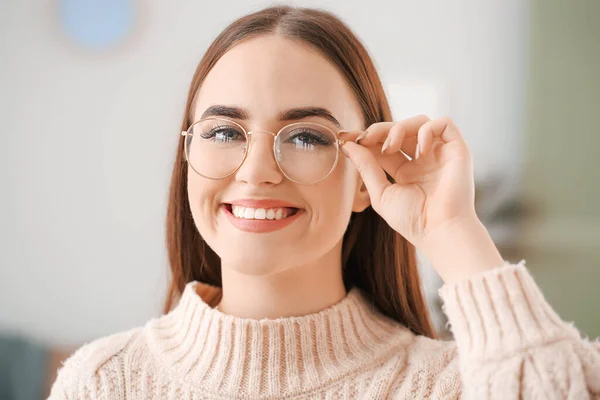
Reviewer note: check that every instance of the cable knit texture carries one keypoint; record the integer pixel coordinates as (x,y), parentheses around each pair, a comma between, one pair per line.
(509,344)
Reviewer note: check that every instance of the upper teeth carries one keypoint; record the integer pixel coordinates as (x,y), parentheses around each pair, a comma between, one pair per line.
(259,213)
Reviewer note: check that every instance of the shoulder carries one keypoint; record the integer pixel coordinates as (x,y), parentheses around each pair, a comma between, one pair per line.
(432,369)
(424,347)
(82,369)
(428,356)
(92,356)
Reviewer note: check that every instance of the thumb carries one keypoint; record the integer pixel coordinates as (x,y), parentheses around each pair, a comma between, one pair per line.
(369,169)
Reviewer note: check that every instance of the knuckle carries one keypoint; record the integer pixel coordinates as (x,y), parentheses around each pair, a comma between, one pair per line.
(361,168)
(398,128)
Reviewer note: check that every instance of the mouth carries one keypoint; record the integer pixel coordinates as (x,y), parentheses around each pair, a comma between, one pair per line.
(264,214)
(260,220)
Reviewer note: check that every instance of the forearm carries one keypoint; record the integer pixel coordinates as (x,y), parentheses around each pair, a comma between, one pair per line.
(460,249)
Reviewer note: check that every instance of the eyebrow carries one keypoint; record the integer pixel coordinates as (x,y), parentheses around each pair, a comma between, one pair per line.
(291,114)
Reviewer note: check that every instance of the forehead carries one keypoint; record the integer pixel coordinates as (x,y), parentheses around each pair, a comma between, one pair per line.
(267,74)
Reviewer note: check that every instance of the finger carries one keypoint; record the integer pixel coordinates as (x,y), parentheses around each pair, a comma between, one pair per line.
(401,135)
(443,129)
(379,131)
(348,135)
(415,171)
(369,169)
(357,136)
(391,163)
(375,133)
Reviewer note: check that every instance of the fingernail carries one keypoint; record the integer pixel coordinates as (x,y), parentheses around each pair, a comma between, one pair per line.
(386,144)
(418,151)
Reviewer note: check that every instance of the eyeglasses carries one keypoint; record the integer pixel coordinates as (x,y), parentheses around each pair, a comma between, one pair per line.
(305,152)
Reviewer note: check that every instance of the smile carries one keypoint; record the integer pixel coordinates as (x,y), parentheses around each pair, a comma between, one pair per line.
(263,213)
(260,220)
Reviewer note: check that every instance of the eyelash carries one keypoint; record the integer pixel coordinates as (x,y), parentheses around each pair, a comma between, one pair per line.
(313,137)
(318,138)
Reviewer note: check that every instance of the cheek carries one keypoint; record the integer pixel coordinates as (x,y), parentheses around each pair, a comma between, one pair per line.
(195,194)
(345,177)
(201,196)
(333,198)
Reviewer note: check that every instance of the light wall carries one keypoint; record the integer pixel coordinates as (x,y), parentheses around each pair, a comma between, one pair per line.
(88,139)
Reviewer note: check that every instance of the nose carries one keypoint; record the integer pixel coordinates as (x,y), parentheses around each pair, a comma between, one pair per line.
(259,167)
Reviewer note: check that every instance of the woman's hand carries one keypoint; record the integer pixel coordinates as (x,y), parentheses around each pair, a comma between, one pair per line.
(432,202)
(433,189)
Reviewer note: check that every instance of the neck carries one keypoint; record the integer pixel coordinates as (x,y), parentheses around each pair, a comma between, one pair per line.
(295,291)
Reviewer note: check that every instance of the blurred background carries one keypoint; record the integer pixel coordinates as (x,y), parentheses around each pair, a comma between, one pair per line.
(92,94)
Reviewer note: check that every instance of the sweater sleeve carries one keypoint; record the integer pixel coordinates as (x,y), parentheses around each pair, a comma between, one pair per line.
(512,344)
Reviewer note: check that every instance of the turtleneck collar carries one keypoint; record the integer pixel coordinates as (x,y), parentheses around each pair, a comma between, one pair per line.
(232,356)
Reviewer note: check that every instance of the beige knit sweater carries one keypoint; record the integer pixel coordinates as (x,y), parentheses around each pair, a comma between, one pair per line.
(510,344)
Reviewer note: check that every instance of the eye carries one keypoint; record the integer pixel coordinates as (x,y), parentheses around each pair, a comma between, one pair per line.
(308,137)
(223,135)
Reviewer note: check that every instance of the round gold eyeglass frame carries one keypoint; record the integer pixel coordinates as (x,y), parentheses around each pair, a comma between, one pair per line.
(276,153)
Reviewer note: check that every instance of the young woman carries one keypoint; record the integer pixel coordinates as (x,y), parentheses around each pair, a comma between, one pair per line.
(295,209)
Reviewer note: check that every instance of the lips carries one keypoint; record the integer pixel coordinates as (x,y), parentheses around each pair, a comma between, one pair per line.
(261,216)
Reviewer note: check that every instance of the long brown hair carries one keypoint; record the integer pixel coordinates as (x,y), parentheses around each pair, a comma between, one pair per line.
(376,258)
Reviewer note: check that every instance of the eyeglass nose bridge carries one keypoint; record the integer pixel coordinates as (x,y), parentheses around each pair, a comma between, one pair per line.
(276,151)
(261,131)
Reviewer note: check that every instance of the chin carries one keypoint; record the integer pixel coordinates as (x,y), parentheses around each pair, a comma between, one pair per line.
(255,264)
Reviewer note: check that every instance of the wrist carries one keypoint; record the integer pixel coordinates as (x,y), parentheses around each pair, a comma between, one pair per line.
(461,248)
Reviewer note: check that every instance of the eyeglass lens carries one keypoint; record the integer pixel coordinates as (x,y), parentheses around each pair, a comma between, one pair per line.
(305,152)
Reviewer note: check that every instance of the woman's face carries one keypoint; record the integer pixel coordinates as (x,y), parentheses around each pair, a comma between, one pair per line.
(264,77)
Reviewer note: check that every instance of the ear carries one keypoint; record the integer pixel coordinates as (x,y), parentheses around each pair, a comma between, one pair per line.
(361,197)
